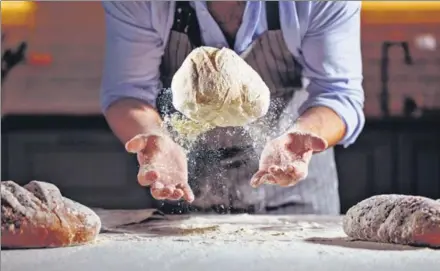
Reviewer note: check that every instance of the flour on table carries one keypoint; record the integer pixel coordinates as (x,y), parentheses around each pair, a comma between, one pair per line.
(231,228)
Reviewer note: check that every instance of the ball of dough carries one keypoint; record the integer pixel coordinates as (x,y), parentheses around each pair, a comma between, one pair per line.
(217,87)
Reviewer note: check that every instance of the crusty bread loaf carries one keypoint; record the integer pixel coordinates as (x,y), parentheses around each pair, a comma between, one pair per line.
(398,219)
(37,216)
(217,87)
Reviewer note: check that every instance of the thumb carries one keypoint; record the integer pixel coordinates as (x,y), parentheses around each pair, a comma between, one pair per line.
(311,142)
(318,143)
(140,142)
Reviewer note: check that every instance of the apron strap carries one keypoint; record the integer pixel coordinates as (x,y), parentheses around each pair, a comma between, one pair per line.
(185,22)
(273,15)
(273,23)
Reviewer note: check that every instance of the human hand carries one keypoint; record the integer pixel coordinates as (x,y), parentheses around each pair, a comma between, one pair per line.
(163,166)
(285,160)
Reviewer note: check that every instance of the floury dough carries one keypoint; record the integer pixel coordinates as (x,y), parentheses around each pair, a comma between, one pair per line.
(399,219)
(217,88)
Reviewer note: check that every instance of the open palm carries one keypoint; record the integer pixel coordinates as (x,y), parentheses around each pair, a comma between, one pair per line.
(163,166)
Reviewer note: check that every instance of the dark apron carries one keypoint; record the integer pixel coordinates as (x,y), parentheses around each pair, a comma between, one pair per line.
(224,159)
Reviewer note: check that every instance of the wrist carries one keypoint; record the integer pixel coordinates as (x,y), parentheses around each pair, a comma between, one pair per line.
(299,128)
(128,118)
(308,138)
(322,122)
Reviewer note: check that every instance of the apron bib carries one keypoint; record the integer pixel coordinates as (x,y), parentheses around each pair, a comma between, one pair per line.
(224,159)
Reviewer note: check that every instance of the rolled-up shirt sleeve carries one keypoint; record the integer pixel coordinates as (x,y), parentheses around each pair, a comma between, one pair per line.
(331,56)
(133,51)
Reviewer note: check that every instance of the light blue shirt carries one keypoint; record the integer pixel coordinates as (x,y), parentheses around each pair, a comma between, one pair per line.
(326,33)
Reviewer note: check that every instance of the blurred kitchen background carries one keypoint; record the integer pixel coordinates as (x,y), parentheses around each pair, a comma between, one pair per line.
(52,128)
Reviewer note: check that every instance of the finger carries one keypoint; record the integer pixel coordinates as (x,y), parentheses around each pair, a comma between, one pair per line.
(147,177)
(256,179)
(269,179)
(156,190)
(300,174)
(188,194)
(275,170)
(301,169)
(308,140)
(141,142)
(294,174)
(178,194)
(318,143)
(285,180)
(168,191)
(136,144)
(290,169)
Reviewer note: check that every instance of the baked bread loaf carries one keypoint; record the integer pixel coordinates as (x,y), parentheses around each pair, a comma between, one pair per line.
(398,219)
(217,87)
(38,216)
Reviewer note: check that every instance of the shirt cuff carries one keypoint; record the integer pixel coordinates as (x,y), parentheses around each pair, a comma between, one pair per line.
(348,110)
(144,94)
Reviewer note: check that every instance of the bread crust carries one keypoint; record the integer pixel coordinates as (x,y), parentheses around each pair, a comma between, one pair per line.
(398,219)
(38,216)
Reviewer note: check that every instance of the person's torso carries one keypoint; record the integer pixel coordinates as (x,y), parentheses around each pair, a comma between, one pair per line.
(268,53)
(293,17)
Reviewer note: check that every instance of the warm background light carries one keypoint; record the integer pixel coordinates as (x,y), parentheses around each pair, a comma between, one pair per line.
(39,59)
(401,5)
(404,12)
(17,13)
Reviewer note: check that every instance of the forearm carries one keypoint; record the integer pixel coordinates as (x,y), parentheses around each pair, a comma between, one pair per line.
(332,61)
(130,117)
(323,122)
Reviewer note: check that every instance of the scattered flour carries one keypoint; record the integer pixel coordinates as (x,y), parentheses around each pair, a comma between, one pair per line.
(214,88)
(229,228)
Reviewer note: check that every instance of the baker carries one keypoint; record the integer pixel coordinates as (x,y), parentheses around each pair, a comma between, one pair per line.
(294,170)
